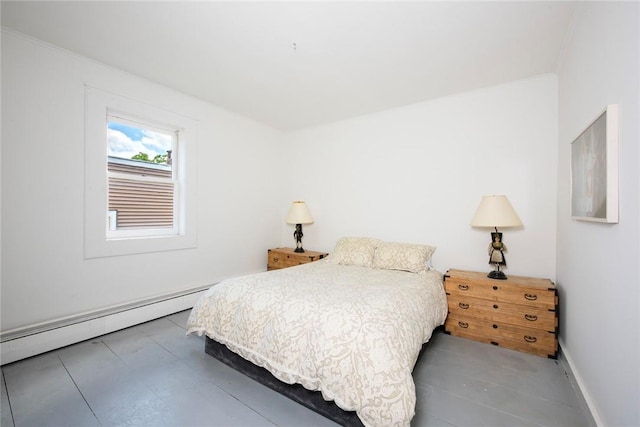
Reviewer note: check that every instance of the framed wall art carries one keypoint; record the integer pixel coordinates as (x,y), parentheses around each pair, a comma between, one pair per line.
(594,170)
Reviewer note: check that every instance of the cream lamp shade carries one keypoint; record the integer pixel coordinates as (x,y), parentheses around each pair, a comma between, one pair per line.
(299,213)
(495,211)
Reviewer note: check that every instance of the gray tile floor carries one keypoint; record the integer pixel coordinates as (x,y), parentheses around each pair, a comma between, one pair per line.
(153,375)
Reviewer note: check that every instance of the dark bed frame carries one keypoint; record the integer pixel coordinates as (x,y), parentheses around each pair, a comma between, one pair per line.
(311,399)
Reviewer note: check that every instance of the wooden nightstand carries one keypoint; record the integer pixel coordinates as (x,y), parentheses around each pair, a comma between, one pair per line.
(286,257)
(520,313)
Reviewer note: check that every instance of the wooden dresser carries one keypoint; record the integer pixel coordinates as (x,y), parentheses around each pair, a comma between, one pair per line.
(286,257)
(520,313)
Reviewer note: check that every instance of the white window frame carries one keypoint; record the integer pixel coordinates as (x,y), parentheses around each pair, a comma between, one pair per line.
(99,241)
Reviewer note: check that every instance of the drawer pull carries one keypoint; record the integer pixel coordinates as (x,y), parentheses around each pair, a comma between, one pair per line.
(495,306)
(463,305)
(495,288)
(495,326)
(531,297)
(463,287)
(531,317)
(464,325)
(530,339)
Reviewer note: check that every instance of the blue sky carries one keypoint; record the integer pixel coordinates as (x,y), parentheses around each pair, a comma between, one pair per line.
(126,141)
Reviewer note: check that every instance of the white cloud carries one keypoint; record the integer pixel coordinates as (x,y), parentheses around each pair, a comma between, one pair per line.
(156,143)
(152,143)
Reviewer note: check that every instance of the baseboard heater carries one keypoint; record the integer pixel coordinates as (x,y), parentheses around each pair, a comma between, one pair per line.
(25,342)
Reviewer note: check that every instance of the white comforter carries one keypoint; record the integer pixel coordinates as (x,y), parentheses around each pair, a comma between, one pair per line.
(354,333)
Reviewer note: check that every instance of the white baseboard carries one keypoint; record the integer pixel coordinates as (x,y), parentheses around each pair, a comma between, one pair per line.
(37,339)
(579,383)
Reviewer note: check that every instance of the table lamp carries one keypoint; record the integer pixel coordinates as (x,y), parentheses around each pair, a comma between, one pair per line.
(494,212)
(299,214)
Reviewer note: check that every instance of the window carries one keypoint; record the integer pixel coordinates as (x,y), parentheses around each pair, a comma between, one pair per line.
(142,184)
(139,177)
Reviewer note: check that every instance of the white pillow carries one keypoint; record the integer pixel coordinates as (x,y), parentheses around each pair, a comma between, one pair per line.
(354,251)
(403,256)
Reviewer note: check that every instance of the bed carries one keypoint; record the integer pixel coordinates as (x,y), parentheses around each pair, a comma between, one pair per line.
(350,326)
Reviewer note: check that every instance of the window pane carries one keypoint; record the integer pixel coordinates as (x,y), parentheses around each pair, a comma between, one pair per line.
(139,144)
(141,204)
(141,189)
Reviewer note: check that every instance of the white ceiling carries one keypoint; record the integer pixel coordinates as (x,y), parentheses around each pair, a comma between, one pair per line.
(297,64)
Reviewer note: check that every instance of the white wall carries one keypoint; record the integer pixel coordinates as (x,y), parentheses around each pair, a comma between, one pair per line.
(417,174)
(598,263)
(44,274)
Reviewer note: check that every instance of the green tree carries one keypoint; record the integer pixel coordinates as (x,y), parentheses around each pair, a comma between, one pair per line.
(144,157)
(141,156)
(160,158)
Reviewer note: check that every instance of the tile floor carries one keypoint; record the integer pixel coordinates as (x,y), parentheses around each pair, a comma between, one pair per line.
(153,375)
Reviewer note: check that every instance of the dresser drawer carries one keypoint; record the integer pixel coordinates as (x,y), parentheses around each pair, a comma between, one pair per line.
(515,314)
(534,341)
(498,290)
(279,260)
(287,257)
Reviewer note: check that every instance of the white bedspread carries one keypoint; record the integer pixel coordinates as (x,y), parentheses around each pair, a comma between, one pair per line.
(354,333)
